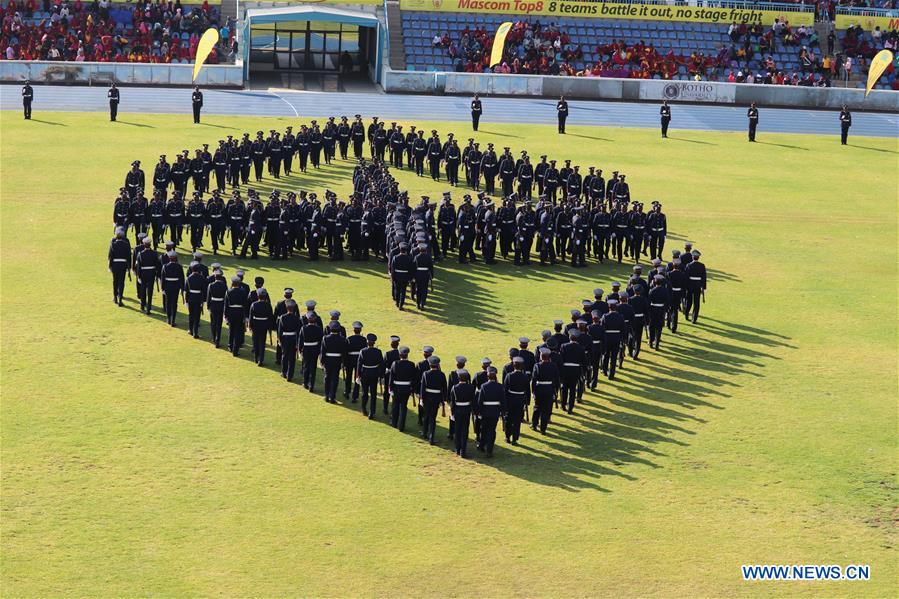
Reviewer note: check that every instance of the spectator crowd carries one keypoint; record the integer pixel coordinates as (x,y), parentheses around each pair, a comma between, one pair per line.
(101,31)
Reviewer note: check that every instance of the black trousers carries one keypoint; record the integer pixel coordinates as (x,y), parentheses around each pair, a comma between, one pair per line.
(369,391)
(170,302)
(236,331)
(332,379)
(113,110)
(399,410)
(216,317)
(310,359)
(543,410)
(570,378)
(692,303)
(430,418)
(665,122)
(193,318)
(475,119)
(610,357)
(288,356)
(259,344)
(26,106)
(462,418)
(145,292)
(656,323)
(118,281)
(197,113)
(752,127)
(488,433)
(513,420)
(349,377)
(562,118)
(844,133)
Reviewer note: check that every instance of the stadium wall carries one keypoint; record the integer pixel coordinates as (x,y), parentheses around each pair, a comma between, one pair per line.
(595,88)
(73,73)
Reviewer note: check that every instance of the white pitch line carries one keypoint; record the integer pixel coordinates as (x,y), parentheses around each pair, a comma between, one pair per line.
(292,107)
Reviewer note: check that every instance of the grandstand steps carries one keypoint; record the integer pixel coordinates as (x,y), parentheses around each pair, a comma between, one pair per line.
(395,29)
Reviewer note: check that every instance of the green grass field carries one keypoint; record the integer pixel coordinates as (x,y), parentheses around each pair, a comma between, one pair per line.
(138,461)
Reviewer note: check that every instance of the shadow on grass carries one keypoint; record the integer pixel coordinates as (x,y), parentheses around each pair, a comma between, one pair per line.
(143,125)
(692,141)
(884,150)
(626,422)
(770,143)
(48,122)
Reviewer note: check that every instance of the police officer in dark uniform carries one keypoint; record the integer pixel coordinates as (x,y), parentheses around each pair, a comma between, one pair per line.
(195,292)
(403,376)
(696,282)
(334,348)
(146,267)
(665,113)
(401,272)
(574,360)
(517,387)
(614,327)
(392,355)
(370,370)
(490,398)
(172,277)
(355,344)
(545,382)
(113,95)
(196,99)
(235,314)
(27,98)
(562,113)
(476,110)
(753,115)
(845,123)
(119,260)
(288,329)
(461,400)
(432,395)
(310,343)
(215,303)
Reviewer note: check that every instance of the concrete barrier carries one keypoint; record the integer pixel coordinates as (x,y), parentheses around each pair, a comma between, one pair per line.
(86,73)
(596,88)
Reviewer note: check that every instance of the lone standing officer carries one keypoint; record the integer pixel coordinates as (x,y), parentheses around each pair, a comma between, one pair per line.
(753,115)
(197,101)
(27,97)
(845,123)
(476,110)
(665,112)
(562,110)
(113,95)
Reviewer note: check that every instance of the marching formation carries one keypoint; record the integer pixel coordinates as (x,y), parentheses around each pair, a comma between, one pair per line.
(570,358)
(547,207)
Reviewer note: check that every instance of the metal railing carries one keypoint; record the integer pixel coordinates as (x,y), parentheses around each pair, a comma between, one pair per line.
(868,11)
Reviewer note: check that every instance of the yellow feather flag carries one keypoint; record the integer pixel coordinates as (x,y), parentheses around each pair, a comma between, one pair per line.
(499,42)
(878,65)
(207,43)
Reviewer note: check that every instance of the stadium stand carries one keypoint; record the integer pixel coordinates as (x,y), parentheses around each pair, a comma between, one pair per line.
(101,31)
(633,49)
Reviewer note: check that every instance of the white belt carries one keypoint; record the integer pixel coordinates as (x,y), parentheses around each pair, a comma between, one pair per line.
(310,343)
(353,353)
(215,216)
(516,392)
(640,315)
(544,382)
(373,366)
(355,220)
(462,403)
(676,289)
(402,271)
(491,403)
(289,334)
(260,318)
(402,382)
(156,215)
(174,214)
(570,364)
(195,291)
(216,299)
(603,226)
(120,259)
(695,278)
(235,305)
(428,390)
(272,219)
(332,355)
(622,226)
(421,268)
(596,342)
(171,278)
(614,331)
(655,229)
(655,306)
(148,268)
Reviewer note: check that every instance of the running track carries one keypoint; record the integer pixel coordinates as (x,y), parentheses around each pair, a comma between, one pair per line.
(443,108)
